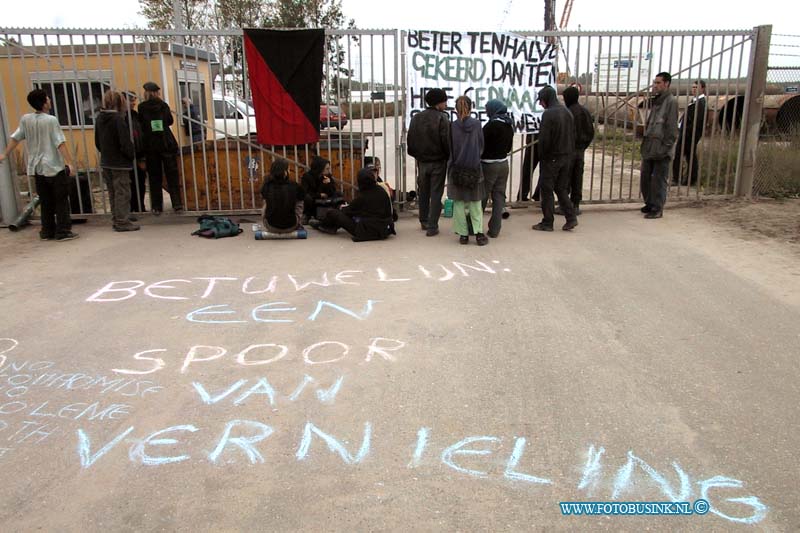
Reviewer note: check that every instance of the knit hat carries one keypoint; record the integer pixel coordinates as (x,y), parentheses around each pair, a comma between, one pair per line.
(435,96)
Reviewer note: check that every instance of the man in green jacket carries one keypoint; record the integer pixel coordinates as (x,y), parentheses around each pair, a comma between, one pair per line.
(658,146)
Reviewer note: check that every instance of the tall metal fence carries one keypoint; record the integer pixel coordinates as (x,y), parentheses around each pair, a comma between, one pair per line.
(204,78)
(777,170)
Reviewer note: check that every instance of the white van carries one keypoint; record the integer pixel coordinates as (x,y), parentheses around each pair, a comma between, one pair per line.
(233,117)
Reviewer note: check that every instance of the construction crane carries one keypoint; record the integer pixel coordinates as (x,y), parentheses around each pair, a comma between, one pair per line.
(565,15)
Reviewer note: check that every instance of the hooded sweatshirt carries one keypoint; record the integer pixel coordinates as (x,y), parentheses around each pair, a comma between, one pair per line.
(557,131)
(584,127)
(112,138)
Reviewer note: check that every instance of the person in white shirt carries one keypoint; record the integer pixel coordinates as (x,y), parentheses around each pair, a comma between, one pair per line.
(49,162)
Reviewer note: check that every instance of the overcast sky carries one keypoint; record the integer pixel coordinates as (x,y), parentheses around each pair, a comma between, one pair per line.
(457,15)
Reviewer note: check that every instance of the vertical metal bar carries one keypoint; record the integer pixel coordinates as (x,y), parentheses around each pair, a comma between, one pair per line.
(733,119)
(372,84)
(595,87)
(248,97)
(340,102)
(83,132)
(204,128)
(98,58)
(753,109)
(639,61)
(717,136)
(399,111)
(679,143)
(692,155)
(350,94)
(225,137)
(624,141)
(383,102)
(615,128)
(605,117)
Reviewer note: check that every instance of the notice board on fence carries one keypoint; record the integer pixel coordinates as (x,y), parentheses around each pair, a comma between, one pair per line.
(483,66)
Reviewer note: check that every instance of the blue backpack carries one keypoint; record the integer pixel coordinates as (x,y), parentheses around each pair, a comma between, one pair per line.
(212,227)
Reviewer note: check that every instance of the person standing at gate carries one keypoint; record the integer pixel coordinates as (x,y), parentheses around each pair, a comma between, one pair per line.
(660,134)
(161,148)
(465,177)
(50,163)
(584,133)
(690,130)
(498,138)
(112,138)
(556,150)
(139,171)
(428,143)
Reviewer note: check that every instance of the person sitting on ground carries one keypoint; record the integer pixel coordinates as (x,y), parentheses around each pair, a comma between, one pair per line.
(367,218)
(283,200)
(374,163)
(320,188)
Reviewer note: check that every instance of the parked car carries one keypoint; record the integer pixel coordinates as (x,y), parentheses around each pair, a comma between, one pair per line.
(233,117)
(331,116)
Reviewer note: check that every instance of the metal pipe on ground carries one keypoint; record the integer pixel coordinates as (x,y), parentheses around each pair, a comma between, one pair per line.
(24,218)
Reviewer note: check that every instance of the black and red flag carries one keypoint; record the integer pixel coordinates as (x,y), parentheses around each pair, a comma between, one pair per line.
(285,70)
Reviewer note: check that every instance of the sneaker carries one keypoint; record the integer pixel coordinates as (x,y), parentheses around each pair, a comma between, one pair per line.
(541,227)
(432,232)
(482,239)
(46,237)
(654,214)
(156,212)
(68,236)
(645,209)
(464,239)
(128,227)
(569,226)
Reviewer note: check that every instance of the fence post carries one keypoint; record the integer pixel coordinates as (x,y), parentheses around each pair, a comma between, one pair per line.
(751,118)
(8,192)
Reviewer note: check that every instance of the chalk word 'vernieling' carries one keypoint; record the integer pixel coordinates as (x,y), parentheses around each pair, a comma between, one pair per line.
(319,353)
(241,437)
(184,289)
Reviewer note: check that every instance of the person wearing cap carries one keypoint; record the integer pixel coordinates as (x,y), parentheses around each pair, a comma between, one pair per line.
(498,138)
(161,148)
(556,149)
(428,143)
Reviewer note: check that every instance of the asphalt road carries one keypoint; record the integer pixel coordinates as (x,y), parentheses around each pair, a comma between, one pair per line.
(155,380)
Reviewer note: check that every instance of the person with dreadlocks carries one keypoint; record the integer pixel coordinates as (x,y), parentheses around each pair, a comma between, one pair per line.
(283,200)
(498,137)
(465,179)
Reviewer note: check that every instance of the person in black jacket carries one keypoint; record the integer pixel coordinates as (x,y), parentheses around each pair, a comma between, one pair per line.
(191,121)
(367,218)
(112,138)
(320,188)
(498,137)
(428,143)
(556,149)
(690,131)
(584,133)
(139,171)
(283,200)
(161,148)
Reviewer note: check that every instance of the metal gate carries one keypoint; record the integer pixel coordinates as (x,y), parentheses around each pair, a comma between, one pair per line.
(362,106)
